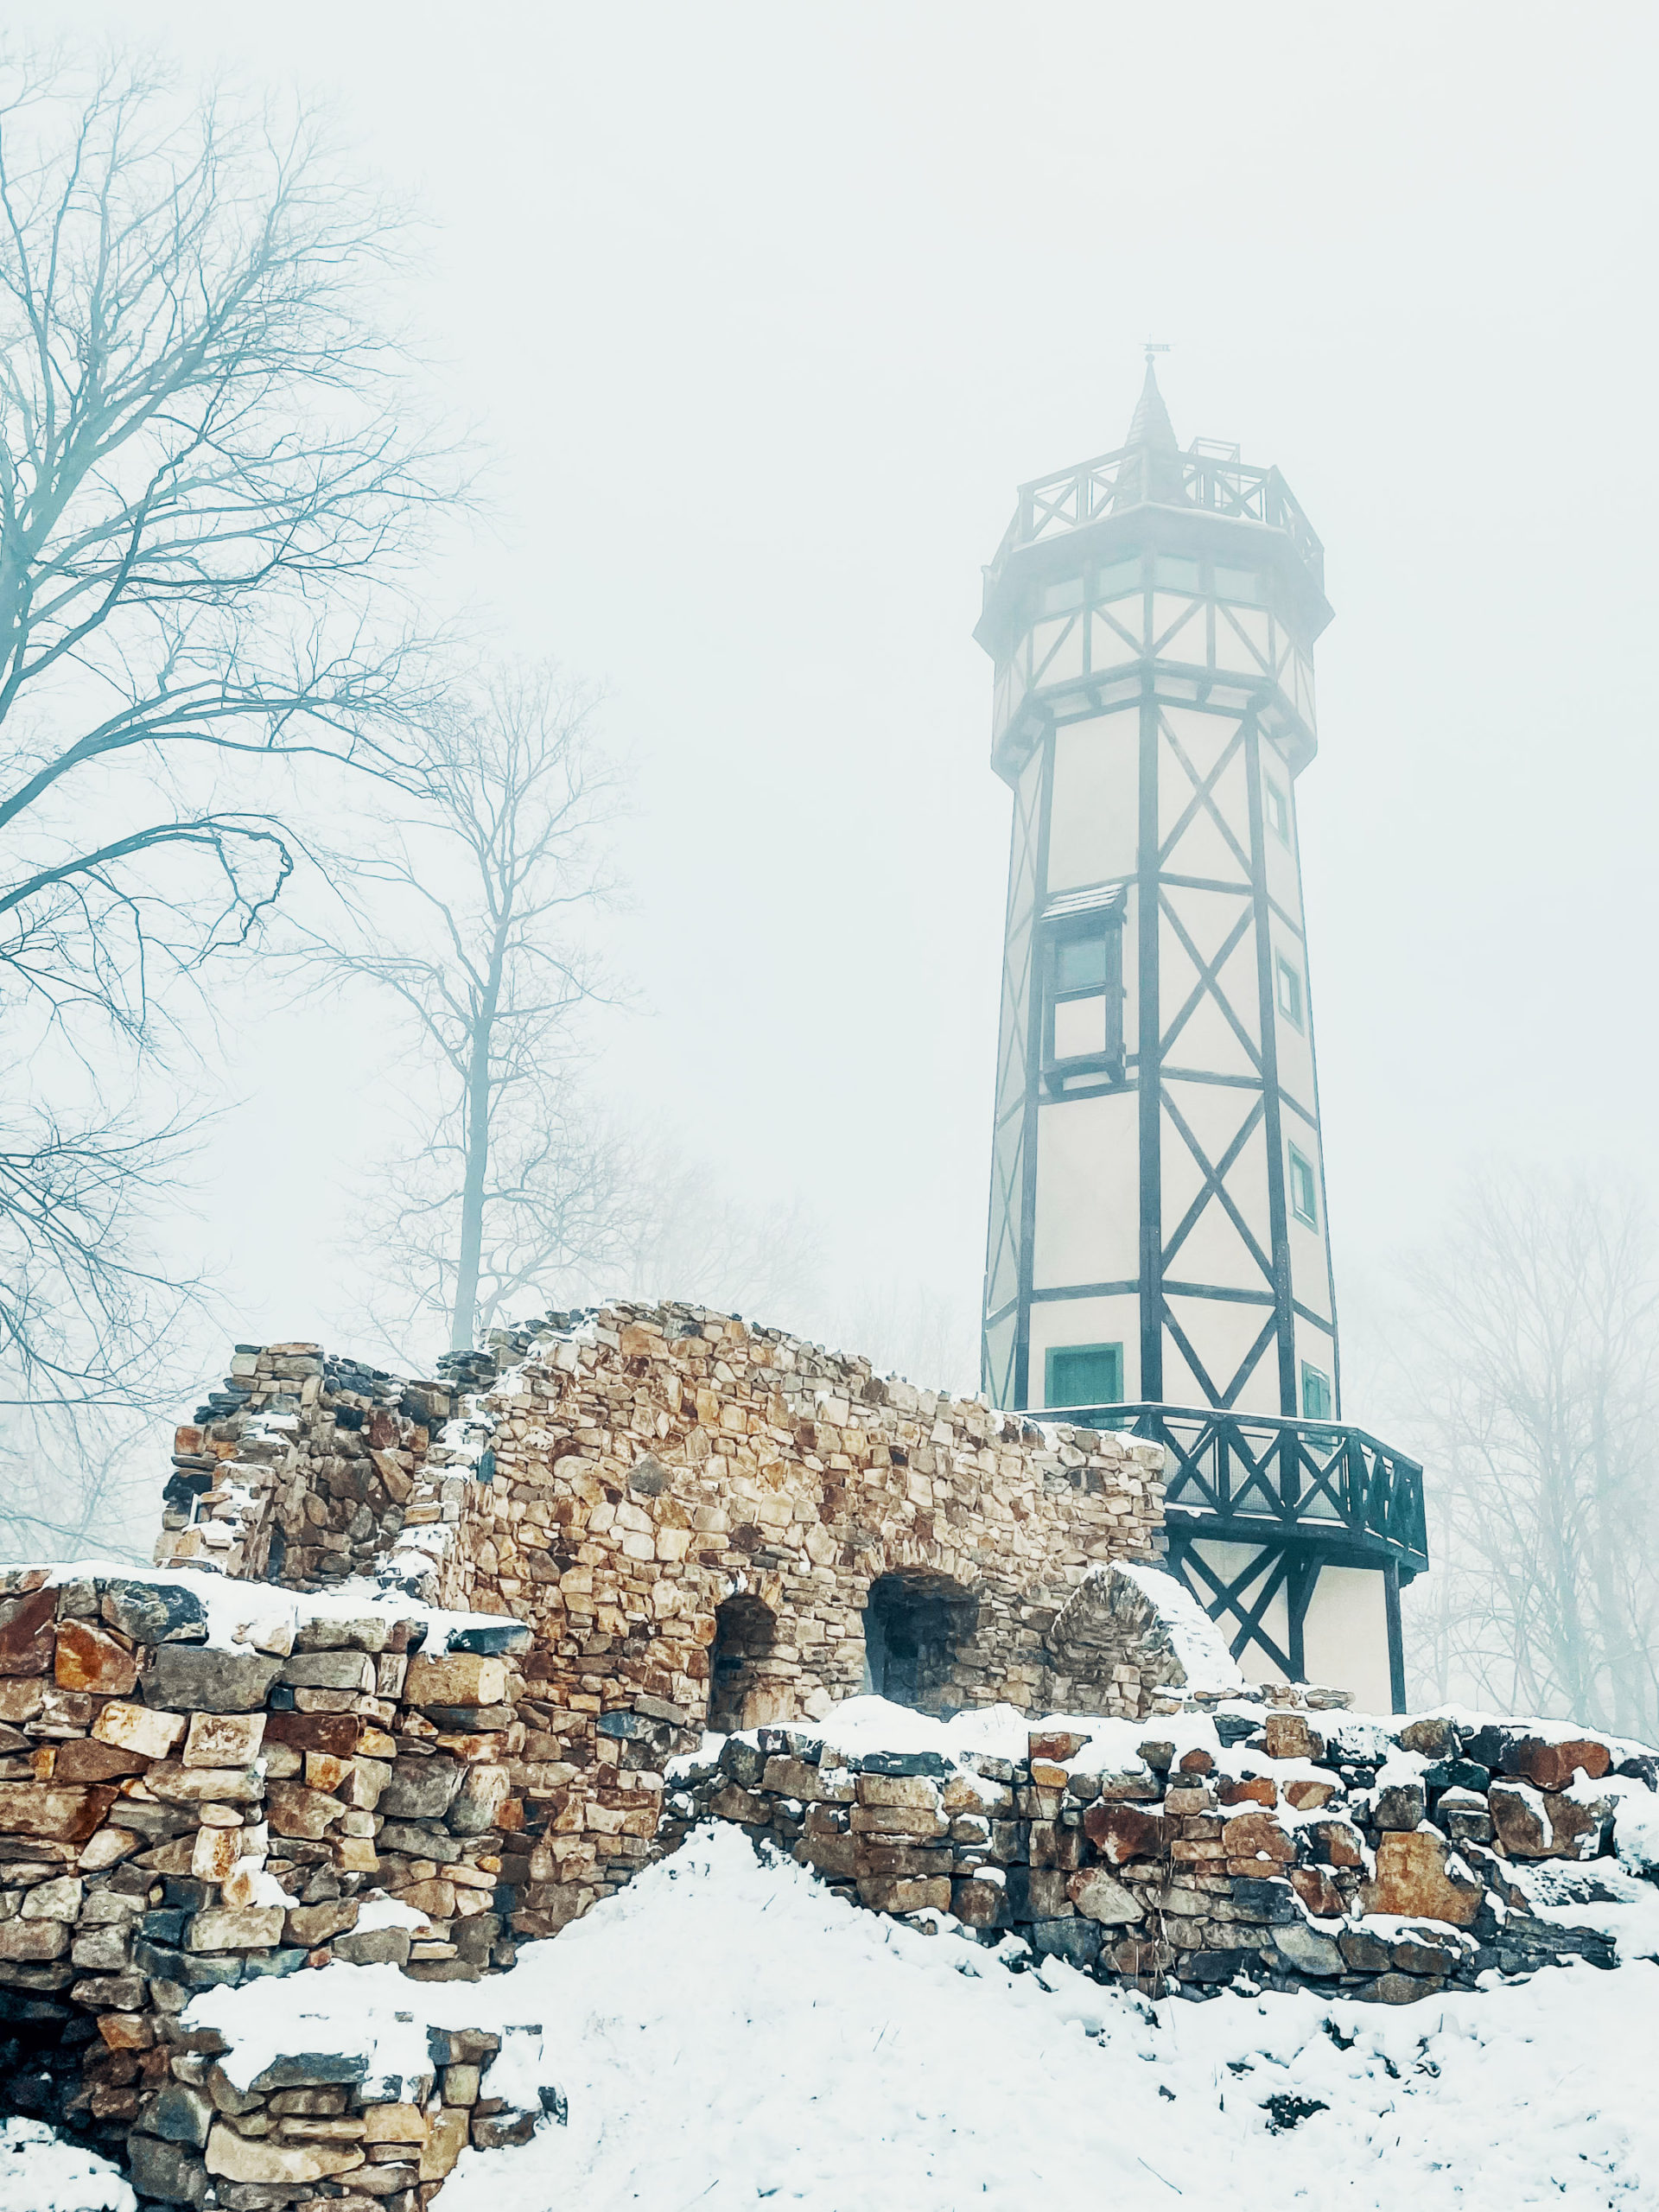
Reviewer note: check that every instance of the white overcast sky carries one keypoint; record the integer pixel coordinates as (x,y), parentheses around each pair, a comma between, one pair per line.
(764,312)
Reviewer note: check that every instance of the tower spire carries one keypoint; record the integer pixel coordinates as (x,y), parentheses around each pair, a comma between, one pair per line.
(1150,424)
(1154,468)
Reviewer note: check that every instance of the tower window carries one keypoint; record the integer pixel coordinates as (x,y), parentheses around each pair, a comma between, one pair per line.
(1121,576)
(1175,572)
(1304,1192)
(1317,1403)
(1278,808)
(1083,1036)
(1238,583)
(1290,991)
(1065,597)
(1082,1374)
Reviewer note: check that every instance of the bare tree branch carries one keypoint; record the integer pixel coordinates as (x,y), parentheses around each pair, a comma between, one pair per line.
(213,487)
(1535,1367)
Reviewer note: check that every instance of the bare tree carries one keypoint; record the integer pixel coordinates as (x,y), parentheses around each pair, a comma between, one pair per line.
(1535,1360)
(466,907)
(208,475)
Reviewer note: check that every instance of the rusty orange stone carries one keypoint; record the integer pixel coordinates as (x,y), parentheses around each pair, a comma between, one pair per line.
(1247,1790)
(87,1659)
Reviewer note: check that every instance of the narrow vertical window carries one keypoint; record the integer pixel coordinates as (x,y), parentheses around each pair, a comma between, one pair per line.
(1304,1190)
(1290,990)
(1082,1012)
(1317,1401)
(1278,810)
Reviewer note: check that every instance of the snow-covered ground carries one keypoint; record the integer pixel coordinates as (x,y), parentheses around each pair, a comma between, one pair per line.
(728,2033)
(40,2172)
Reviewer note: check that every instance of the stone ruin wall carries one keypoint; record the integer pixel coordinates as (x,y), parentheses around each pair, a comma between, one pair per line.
(615,1480)
(1260,1841)
(179,1814)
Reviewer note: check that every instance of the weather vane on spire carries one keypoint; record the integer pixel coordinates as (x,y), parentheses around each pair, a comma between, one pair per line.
(1151,349)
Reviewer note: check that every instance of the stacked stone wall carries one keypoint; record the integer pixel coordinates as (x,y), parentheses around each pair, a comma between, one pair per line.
(1287,1847)
(178,1814)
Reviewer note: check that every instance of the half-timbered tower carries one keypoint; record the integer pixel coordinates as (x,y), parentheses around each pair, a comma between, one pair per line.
(1158,1235)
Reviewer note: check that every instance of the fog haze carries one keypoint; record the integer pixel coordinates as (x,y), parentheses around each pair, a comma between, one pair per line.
(760,317)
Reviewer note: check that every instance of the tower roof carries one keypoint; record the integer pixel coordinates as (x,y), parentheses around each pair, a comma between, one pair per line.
(1150,424)
(1153,471)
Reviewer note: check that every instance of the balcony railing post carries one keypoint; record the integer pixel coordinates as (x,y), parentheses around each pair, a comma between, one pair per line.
(1290,1470)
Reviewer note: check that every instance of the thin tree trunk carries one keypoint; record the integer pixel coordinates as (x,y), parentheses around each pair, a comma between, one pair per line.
(476,1167)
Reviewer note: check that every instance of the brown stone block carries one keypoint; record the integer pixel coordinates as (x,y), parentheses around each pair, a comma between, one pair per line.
(224,1740)
(913,1791)
(1257,1836)
(883,1893)
(1121,1833)
(83,1759)
(1413,1881)
(978,1902)
(39,1809)
(26,1645)
(1318,1892)
(830,1854)
(85,1658)
(1290,1737)
(1552,1766)
(142,1729)
(1250,1789)
(1055,1744)
(896,1819)
(293,1810)
(1337,1842)
(340,1733)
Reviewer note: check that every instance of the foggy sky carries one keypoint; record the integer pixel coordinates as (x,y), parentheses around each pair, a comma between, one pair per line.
(763,313)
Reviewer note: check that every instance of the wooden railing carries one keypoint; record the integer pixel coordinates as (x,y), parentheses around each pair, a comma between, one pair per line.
(1315,1483)
(1075,497)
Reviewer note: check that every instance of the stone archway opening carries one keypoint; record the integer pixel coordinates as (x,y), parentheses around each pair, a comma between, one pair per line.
(917,1624)
(739,1694)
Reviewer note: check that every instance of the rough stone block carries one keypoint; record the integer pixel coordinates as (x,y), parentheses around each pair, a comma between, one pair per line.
(240,2157)
(465,1678)
(230,1928)
(891,1893)
(1415,1881)
(194,1679)
(87,1659)
(65,1815)
(182,2114)
(169,2173)
(147,1732)
(1075,1939)
(1306,1950)
(1100,1896)
(1552,1765)
(224,1740)
(420,1788)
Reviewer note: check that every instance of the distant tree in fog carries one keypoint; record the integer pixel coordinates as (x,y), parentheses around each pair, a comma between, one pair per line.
(465,908)
(208,468)
(1533,1361)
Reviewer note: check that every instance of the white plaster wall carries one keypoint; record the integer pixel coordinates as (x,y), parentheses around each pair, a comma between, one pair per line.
(1228,1561)
(1085,1321)
(1222,1333)
(1346,1636)
(1088,1226)
(1093,809)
